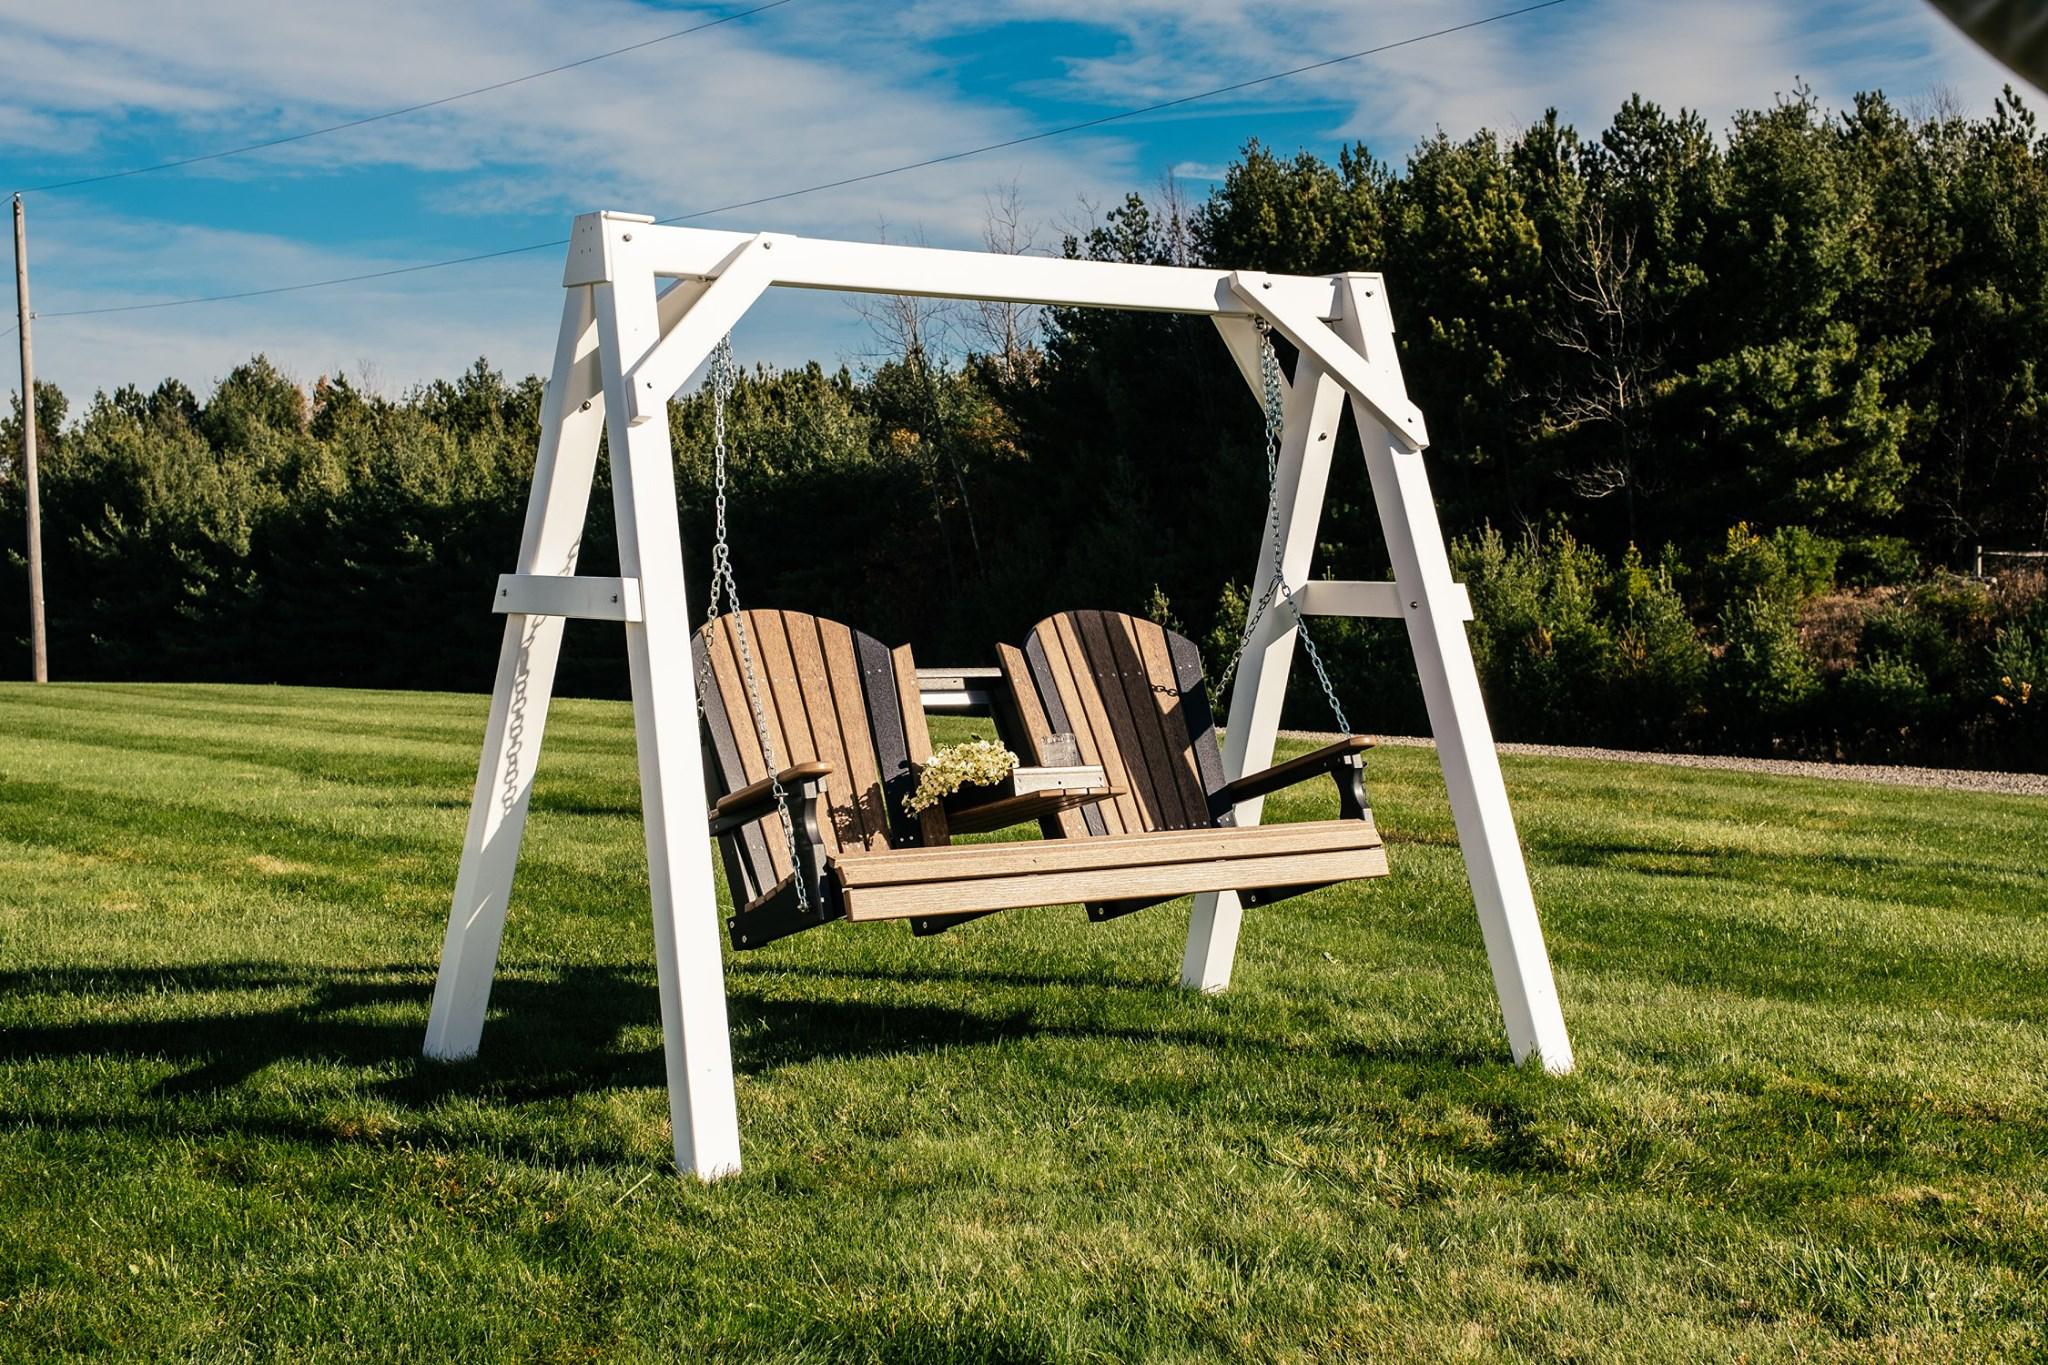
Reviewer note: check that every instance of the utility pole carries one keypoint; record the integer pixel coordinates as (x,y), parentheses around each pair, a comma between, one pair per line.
(39,644)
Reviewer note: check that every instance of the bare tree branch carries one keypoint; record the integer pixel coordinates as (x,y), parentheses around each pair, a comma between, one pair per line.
(1610,324)
(1008,333)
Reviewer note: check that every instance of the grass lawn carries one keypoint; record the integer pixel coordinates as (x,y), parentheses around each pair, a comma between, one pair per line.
(1808,1120)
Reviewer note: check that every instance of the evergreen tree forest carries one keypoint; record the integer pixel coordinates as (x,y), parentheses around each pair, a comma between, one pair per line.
(1719,418)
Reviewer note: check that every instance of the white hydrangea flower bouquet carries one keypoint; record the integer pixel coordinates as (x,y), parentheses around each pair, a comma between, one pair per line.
(978,762)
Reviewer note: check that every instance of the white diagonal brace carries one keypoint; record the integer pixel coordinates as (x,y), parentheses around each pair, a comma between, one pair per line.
(1241,336)
(1457,710)
(572,414)
(1372,386)
(1312,405)
(743,278)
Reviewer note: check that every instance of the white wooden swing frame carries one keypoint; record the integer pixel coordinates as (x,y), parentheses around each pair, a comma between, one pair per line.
(626,346)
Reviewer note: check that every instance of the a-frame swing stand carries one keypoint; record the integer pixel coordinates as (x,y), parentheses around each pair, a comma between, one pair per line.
(626,345)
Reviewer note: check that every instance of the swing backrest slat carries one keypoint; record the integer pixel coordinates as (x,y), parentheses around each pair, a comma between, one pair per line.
(1132,695)
(827,693)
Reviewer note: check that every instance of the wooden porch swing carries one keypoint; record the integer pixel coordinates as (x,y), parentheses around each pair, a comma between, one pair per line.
(844,711)
(1114,710)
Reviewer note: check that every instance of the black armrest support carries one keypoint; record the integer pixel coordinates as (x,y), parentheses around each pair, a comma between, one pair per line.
(1344,761)
(775,912)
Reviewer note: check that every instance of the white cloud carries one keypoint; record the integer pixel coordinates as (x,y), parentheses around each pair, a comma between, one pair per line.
(811,92)
(749,109)
(1584,57)
(752,108)
(400,331)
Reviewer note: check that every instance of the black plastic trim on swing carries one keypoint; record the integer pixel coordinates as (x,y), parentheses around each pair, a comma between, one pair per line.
(1273,895)
(779,915)
(925,926)
(879,694)
(722,745)
(1101,912)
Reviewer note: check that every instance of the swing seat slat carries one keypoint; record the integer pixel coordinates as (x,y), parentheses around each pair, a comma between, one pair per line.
(975,878)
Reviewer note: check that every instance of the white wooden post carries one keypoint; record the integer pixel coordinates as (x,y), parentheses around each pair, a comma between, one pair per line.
(696,1039)
(1310,409)
(571,415)
(612,318)
(1457,710)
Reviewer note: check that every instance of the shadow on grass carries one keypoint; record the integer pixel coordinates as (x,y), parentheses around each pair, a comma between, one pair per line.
(1921,876)
(744,970)
(550,1036)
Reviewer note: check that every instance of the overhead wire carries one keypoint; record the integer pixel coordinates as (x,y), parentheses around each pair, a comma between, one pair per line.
(1040,136)
(396,113)
(1119,116)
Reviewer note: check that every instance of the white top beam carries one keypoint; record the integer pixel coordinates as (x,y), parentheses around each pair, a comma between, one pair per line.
(928,272)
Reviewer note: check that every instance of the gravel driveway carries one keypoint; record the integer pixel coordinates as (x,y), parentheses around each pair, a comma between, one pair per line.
(1951,779)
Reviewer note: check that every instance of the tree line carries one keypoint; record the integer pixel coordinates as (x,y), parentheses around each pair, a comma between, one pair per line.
(1718,421)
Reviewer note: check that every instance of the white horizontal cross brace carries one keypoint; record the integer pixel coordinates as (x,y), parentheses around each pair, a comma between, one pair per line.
(586,599)
(739,267)
(1343,597)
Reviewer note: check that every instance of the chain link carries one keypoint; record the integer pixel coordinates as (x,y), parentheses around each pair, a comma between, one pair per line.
(721,381)
(1273,396)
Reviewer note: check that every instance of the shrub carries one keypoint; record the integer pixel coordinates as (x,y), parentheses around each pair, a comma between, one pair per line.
(1961,608)
(1788,566)
(2019,705)
(1878,562)
(1764,677)
(1943,628)
(1225,631)
(1159,610)
(1662,661)
(1899,632)
(1547,659)
(1880,702)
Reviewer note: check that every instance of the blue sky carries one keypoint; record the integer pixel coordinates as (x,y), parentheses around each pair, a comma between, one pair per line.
(808,92)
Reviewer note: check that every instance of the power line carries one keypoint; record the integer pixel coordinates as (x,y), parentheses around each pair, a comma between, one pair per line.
(830,184)
(309,284)
(395,113)
(1118,117)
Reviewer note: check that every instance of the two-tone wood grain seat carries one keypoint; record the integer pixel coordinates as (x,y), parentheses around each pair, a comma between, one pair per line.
(844,722)
(847,732)
(1133,699)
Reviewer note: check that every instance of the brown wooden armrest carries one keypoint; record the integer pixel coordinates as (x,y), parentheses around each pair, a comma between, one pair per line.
(740,805)
(1005,811)
(1283,775)
(1027,794)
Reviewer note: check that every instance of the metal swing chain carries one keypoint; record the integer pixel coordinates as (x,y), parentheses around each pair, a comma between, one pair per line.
(1274,402)
(722,379)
